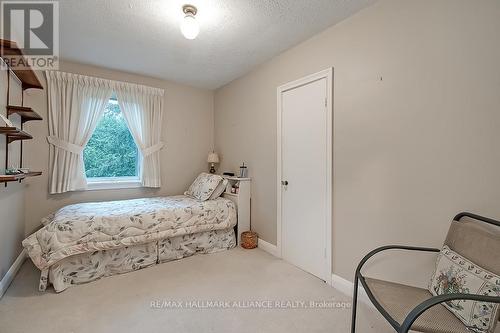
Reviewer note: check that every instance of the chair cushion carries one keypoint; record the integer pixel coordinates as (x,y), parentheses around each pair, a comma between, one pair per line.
(398,300)
(456,274)
(477,241)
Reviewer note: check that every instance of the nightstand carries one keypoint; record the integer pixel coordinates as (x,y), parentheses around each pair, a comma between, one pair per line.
(242,200)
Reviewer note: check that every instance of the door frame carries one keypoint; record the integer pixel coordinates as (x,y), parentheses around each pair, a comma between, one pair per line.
(328,75)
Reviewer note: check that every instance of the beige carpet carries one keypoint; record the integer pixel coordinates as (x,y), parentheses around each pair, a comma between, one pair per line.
(230,280)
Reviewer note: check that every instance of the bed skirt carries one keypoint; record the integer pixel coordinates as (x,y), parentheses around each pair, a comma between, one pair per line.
(87,267)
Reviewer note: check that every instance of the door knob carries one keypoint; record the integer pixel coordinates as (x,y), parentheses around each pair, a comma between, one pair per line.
(284,182)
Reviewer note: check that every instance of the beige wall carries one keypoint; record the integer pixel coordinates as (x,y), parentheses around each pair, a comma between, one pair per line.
(11,197)
(416,121)
(187,134)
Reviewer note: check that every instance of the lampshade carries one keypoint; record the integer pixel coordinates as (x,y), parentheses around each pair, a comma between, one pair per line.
(213,158)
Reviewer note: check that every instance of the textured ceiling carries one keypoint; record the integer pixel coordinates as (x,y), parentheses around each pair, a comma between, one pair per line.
(143,36)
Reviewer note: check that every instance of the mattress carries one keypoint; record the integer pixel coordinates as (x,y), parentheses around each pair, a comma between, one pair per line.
(103,226)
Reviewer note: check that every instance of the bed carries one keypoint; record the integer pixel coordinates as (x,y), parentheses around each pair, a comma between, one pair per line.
(84,242)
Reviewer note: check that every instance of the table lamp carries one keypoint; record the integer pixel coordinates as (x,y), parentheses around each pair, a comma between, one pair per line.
(213,158)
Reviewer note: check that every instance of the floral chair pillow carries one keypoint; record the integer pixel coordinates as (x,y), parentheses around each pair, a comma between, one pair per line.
(203,186)
(456,274)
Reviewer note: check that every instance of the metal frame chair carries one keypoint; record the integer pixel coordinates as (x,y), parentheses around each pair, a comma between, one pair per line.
(414,314)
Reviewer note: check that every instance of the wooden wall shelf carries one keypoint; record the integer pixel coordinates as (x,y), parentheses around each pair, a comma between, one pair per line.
(14,134)
(19,177)
(27,114)
(9,50)
(27,76)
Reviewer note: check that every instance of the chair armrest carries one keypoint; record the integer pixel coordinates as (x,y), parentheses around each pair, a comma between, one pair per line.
(427,304)
(392,247)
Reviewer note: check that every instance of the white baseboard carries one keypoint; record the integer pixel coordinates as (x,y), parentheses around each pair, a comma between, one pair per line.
(268,247)
(11,273)
(344,286)
(273,250)
(347,287)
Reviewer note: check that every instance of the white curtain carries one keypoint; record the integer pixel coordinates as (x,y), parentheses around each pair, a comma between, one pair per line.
(142,108)
(75,104)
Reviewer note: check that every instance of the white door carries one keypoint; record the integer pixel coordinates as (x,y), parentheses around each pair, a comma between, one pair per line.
(305,176)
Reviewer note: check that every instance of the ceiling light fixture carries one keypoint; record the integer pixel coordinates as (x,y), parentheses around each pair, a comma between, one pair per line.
(189,26)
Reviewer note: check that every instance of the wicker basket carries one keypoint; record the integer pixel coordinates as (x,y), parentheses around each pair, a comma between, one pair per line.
(249,240)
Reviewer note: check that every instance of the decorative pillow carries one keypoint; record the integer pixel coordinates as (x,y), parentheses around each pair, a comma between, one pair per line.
(221,188)
(456,274)
(203,186)
(48,219)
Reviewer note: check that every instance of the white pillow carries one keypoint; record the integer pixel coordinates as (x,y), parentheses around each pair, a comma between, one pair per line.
(221,188)
(456,274)
(203,186)
(48,219)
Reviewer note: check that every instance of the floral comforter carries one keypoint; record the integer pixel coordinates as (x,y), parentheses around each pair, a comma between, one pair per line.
(99,226)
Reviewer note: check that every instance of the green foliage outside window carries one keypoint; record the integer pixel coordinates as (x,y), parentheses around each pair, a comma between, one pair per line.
(111,151)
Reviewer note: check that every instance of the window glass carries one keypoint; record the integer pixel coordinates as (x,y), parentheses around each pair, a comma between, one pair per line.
(111,151)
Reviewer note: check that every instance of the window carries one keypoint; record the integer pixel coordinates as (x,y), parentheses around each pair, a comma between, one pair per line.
(111,156)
